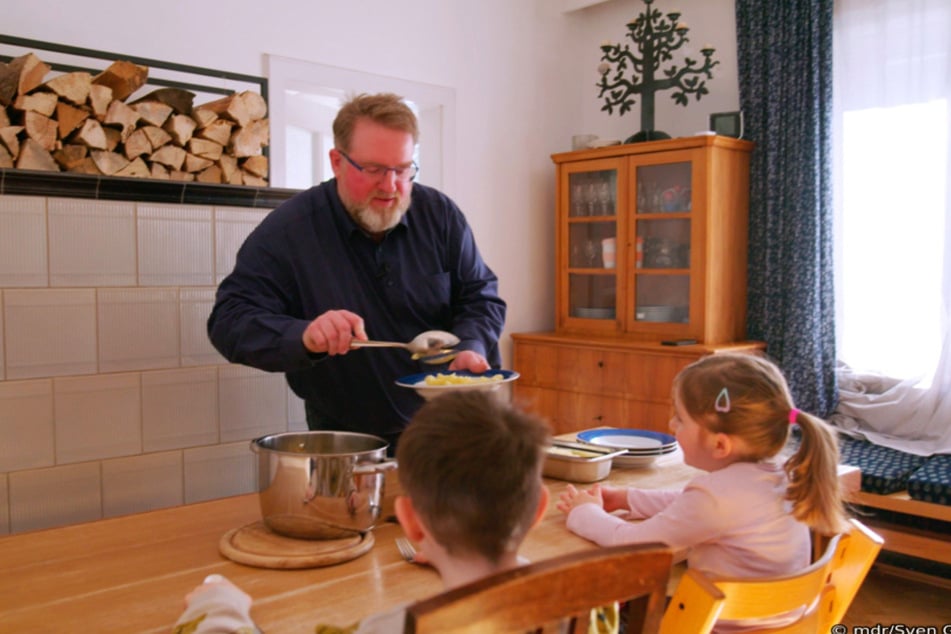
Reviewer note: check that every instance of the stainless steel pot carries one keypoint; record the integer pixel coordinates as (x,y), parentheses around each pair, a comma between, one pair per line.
(321,484)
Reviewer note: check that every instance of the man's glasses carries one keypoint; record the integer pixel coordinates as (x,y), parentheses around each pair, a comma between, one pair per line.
(404,173)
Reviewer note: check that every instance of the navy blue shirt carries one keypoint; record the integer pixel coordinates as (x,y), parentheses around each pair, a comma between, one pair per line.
(308,256)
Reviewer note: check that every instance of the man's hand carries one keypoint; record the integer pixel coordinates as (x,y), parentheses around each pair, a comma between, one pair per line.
(469,360)
(332,332)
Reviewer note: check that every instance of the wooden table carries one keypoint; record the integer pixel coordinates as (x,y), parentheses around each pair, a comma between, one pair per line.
(130,574)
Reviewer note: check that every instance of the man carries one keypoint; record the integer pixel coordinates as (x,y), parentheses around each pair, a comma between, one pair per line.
(366,254)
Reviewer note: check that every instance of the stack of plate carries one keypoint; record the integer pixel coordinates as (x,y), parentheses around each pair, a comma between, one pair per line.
(643,446)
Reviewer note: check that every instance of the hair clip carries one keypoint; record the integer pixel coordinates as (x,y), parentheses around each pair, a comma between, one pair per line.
(722,404)
(793,416)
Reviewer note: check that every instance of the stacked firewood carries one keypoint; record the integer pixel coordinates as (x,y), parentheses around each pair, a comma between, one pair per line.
(85,123)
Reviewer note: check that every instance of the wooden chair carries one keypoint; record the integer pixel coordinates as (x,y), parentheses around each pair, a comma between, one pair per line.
(827,588)
(550,592)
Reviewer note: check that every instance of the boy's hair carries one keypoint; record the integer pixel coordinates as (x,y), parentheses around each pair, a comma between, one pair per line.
(747,396)
(472,466)
(387,109)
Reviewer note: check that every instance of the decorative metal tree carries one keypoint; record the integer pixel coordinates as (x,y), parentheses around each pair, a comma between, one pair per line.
(656,37)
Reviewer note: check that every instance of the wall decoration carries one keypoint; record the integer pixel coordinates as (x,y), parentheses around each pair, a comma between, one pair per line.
(627,73)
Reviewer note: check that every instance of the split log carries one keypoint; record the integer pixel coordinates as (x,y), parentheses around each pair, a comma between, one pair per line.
(177,175)
(180,100)
(241,108)
(123,77)
(34,156)
(257,165)
(5,159)
(137,144)
(122,116)
(20,76)
(157,136)
(196,163)
(159,171)
(42,102)
(153,112)
(9,138)
(135,169)
(91,135)
(205,148)
(108,162)
(170,156)
(210,175)
(113,137)
(4,119)
(229,170)
(247,178)
(69,118)
(73,87)
(248,140)
(204,117)
(99,98)
(218,131)
(85,166)
(41,129)
(181,127)
(70,155)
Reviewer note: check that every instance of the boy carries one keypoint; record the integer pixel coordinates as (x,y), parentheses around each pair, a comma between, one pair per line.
(467,518)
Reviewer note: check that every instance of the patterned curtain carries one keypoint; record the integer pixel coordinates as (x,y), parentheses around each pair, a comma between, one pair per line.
(784,51)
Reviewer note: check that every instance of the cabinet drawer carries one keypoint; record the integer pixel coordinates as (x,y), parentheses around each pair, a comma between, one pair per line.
(562,367)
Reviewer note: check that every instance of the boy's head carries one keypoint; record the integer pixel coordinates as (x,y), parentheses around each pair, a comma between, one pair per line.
(471,466)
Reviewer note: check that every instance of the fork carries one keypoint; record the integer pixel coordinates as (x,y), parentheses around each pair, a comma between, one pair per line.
(406,549)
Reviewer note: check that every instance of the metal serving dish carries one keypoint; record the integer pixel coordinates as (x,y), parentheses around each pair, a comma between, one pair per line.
(579,462)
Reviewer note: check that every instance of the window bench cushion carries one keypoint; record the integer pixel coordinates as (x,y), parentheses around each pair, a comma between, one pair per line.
(884,470)
(932,481)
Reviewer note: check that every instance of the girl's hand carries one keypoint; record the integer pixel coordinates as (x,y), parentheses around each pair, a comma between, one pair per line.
(615,499)
(572,497)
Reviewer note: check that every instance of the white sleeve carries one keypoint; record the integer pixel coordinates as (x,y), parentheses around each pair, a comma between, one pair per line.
(218,609)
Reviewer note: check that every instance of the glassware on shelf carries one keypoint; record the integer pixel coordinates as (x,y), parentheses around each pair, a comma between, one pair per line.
(592,253)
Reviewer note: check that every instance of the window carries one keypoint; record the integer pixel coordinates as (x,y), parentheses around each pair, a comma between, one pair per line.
(891,136)
(304,99)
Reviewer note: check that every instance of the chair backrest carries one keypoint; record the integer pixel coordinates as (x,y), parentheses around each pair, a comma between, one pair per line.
(552,591)
(819,595)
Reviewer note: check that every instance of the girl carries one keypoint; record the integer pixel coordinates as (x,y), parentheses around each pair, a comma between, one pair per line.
(750,515)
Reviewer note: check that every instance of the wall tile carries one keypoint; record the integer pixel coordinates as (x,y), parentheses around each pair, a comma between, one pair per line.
(97,417)
(38,344)
(23,241)
(92,242)
(179,408)
(138,329)
(232,226)
(142,483)
(175,245)
(296,414)
(44,498)
(219,471)
(251,402)
(196,304)
(26,425)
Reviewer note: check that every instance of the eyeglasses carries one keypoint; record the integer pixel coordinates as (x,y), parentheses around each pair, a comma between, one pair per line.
(404,173)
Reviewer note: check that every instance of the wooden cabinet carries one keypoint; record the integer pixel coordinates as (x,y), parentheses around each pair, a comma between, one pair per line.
(651,239)
(578,382)
(650,246)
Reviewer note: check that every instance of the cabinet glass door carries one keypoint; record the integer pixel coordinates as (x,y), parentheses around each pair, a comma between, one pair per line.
(662,243)
(592,244)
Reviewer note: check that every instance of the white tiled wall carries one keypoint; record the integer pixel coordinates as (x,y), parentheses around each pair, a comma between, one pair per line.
(112,399)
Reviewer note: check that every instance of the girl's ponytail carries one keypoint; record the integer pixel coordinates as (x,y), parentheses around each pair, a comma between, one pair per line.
(814,488)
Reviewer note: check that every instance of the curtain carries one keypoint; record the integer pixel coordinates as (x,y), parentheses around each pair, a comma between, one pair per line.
(784,55)
(893,76)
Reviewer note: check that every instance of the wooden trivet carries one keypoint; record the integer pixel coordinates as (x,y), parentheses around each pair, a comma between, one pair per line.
(257,545)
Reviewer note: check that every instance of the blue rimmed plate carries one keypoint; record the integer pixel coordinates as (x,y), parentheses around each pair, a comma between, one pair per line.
(635,441)
(418,382)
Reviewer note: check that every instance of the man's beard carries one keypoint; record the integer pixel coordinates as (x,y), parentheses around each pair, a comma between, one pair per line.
(371,220)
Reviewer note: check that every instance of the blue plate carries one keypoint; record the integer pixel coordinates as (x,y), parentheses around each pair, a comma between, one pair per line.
(634,440)
(427,391)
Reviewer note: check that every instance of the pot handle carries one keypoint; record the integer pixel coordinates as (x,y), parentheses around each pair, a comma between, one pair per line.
(374,467)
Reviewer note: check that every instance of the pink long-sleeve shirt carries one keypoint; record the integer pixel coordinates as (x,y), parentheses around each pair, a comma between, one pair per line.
(734,522)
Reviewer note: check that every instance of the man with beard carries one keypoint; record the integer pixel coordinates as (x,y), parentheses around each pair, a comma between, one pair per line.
(366,254)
